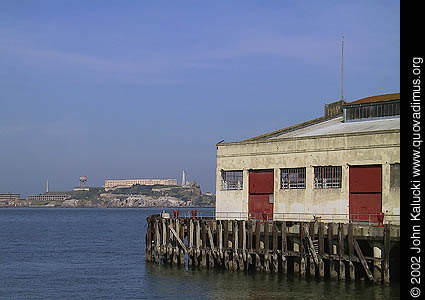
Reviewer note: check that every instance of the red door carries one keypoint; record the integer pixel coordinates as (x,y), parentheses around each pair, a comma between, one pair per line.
(261,191)
(365,193)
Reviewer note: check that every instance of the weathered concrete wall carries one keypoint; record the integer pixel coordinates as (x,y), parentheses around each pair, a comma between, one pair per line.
(373,148)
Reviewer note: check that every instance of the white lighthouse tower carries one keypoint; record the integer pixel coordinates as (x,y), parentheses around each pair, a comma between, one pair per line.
(183,179)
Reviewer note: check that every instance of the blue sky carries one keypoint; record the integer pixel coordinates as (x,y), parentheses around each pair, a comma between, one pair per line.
(145,89)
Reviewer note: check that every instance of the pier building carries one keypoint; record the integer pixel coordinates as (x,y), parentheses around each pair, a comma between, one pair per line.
(341,167)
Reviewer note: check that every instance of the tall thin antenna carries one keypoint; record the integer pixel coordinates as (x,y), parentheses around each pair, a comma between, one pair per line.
(342,70)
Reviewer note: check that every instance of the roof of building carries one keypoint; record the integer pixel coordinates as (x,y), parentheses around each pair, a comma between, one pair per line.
(334,125)
(378,98)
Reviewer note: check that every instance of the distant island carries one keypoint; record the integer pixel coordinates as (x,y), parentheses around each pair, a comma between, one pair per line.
(134,196)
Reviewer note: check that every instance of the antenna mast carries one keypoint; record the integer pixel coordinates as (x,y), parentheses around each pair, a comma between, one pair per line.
(342,71)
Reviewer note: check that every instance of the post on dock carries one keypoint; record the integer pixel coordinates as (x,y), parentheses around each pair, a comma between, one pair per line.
(149,240)
(284,248)
(387,249)
(341,269)
(332,272)
(351,251)
(321,249)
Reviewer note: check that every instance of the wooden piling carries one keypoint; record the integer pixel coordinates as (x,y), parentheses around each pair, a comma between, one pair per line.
(313,259)
(275,262)
(266,247)
(235,234)
(220,254)
(204,244)
(226,235)
(332,272)
(212,253)
(321,232)
(190,241)
(257,235)
(235,244)
(258,265)
(183,250)
(387,249)
(174,225)
(274,234)
(157,241)
(149,240)
(197,252)
(235,240)
(250,235)
(352,271)
(226,242)
(243,253)
(363,260)
(341,264)
(301,258)
(284,248)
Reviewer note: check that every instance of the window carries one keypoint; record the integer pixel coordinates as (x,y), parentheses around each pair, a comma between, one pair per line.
(327,177)
(292,178)
(231,180)
(372,110)
(395,175)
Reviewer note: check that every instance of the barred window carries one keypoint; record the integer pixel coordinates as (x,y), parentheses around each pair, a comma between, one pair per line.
(231,180)
(327,177)
(292,178)
(395,175)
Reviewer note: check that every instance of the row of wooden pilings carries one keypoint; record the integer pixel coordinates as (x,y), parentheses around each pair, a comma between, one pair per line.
(307,249)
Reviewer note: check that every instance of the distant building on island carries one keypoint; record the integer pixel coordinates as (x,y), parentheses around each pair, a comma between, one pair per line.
(83,185)
(48,197)
(117,183)
(188,184)
(6,198)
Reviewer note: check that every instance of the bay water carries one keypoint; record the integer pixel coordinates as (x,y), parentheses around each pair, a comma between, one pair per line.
(96,253)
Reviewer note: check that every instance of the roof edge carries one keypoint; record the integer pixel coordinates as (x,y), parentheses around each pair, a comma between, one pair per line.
(377,98)
(310,137)
(289,128)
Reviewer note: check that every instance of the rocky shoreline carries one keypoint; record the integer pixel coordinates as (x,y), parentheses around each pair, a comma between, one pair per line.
(87,205)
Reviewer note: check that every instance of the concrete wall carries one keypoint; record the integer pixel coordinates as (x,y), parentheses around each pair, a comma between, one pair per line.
(371,148)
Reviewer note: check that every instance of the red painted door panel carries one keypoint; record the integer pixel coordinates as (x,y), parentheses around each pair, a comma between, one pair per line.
(365,207)
(365,179)
(261,182)
(261,187)
(259,206)
(365,188)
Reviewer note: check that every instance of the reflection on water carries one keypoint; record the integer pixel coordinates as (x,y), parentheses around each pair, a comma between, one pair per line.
(179,282)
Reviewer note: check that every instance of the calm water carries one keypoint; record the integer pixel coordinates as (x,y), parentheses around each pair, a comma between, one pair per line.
(99,254)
